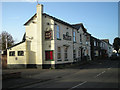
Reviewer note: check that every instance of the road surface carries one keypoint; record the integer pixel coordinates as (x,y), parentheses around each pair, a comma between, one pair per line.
(99,74)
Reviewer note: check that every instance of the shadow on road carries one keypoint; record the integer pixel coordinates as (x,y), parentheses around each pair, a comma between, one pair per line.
(97,64)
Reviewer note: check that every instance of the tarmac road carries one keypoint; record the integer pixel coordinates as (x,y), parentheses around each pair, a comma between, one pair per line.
(99,74)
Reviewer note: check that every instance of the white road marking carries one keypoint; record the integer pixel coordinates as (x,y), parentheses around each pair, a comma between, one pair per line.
(100,74)
(109,68)
(78,85)
(103,72)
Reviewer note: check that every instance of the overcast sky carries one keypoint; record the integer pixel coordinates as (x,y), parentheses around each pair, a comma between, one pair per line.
(99,18)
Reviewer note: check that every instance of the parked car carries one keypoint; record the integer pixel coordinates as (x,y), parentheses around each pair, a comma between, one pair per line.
(115,56)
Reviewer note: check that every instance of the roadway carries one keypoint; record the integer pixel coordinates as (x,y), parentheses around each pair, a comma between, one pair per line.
(98,74)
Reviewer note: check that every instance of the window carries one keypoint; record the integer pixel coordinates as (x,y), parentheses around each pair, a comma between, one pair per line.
(103,45)
(79,52)
(97,43)
(65,53)
(94,43)
(59,53)
(100,44)
(48,55)
(74,53)
(80,38)
(67,33)
(58,32)
(96,53)
(87,51)
(74,36)
(20,53)
(12,53)
(87,38)
(86,43)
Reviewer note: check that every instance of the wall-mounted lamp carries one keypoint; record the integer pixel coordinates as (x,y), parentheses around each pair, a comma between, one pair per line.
(33,22)
(29,37)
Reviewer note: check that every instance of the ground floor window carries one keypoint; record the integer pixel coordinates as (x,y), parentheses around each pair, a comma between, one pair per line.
(74,53)
(20,53)
(65,53)
(48,55)
(12,53)
(87,51)
(59,53)
(79,52)
(96,53)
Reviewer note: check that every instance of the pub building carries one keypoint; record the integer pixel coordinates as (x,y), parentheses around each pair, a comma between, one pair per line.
(49,42)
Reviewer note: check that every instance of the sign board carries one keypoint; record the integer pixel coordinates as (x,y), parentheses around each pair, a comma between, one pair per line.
(48,35)
(66,36)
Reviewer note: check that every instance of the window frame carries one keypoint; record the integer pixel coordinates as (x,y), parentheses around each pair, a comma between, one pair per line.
(58,31)
(74,36)
(95,43)
(59,52)
(79,52)
(65,53)
(74,54)
(80,38)
(10,54)
(18,53)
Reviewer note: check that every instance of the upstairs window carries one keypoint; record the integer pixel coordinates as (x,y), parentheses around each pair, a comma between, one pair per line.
(100,44)
(94,43)
(12,53)
(87,38)
(74,36)
(87,43)
(20,53)
(80,38)
(58,32)
(48,55)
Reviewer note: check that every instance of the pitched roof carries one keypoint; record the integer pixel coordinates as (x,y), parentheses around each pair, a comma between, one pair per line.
(16,44)
(54,18)
(24,37)
(106,40)
(80,25)
(60,21)
(30,19)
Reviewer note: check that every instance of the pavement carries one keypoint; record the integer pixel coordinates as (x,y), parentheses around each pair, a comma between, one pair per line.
(100,74)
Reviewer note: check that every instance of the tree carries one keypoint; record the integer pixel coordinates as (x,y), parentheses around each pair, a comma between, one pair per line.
(6,40)
(116,44)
